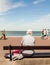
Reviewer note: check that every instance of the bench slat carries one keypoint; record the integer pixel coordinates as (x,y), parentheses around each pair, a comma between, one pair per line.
(26,47)
(39,55)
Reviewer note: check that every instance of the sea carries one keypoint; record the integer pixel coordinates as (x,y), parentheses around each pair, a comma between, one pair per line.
(21,33)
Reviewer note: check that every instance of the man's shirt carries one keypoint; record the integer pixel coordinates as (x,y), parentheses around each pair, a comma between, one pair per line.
(28,40)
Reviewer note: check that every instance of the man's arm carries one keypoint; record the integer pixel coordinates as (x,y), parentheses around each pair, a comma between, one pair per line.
(34,40)
(22,41)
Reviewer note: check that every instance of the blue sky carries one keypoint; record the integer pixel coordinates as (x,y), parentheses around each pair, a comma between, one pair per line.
(20,15)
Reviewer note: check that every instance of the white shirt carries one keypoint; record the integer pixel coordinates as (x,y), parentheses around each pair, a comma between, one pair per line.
(45,32)
(28,40)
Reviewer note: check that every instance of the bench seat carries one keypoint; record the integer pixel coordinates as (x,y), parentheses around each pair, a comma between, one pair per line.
(39,55)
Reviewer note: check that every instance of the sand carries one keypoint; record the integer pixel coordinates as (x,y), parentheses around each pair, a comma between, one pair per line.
(16,41)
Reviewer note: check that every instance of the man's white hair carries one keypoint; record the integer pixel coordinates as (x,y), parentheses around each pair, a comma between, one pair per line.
(29,31)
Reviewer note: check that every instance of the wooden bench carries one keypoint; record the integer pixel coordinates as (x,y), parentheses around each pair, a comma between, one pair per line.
(35,55)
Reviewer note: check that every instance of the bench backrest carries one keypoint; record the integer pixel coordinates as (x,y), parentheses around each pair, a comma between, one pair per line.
(25,47)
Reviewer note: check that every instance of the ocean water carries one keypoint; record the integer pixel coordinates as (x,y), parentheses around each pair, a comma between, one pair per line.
(21,33)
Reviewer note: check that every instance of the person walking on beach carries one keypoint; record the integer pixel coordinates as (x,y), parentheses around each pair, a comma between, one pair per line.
(44,34)
(3,35)
(47,32)
(28,40)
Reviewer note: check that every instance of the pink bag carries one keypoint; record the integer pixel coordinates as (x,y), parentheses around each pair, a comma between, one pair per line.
(16,52)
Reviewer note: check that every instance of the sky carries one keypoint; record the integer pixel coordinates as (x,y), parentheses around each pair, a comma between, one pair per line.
(20,15)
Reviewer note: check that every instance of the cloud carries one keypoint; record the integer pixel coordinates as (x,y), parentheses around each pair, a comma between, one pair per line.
(38,1)
(42,22)
(38,24)
(19,4)
(6,5)
(35,25)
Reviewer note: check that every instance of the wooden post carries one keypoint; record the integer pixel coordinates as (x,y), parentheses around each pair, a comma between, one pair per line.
(10,53)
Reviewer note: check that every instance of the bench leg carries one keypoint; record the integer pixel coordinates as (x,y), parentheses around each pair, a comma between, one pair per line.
(10,54)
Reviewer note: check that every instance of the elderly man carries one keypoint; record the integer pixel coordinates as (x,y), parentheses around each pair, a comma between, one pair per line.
(28,40)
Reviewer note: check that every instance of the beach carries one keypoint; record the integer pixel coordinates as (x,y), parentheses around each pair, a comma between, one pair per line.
(16,41)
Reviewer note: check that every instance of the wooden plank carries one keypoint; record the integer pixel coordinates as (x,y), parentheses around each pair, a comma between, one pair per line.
(39,55)
(26,47)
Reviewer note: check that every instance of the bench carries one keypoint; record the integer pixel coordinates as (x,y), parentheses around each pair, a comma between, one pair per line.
(35,55)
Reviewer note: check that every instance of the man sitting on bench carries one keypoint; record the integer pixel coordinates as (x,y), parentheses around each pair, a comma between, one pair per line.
(28,40)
